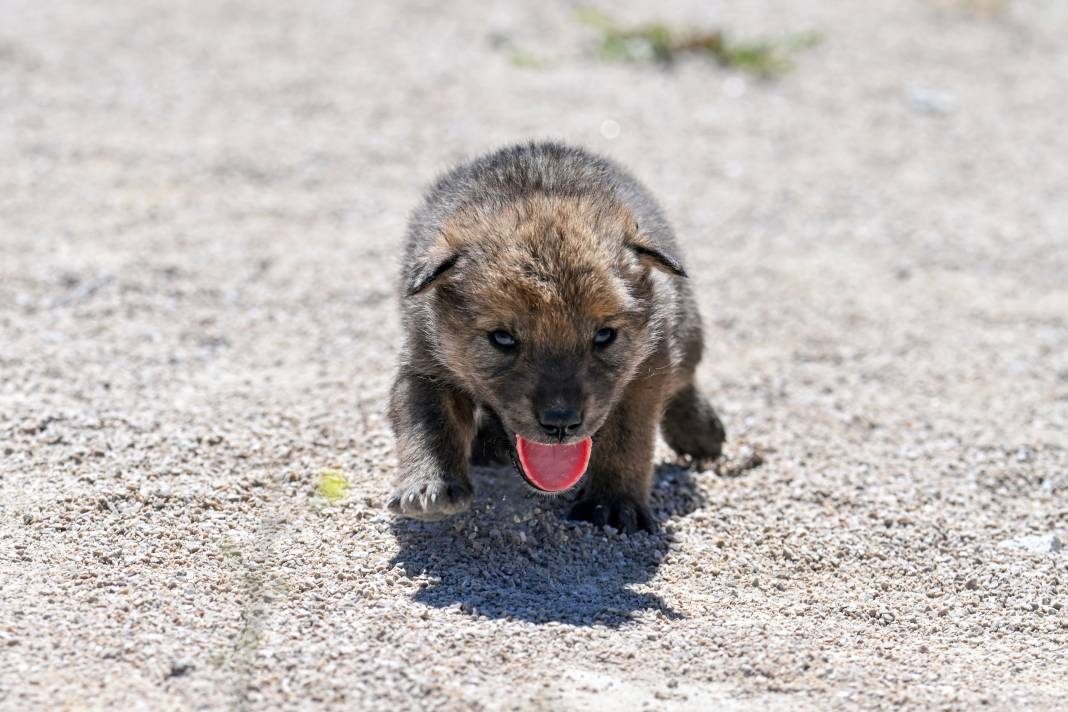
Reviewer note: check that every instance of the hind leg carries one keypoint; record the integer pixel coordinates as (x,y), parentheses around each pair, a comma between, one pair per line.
(490,446)
(690,424)
(691,427)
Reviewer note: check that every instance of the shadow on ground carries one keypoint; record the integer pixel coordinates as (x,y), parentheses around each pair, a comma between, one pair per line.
(514,554)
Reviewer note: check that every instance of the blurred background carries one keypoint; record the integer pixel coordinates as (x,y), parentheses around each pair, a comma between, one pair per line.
(903,153)
(201,211)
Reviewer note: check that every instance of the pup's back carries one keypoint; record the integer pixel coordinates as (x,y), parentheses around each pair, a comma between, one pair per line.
(548,168)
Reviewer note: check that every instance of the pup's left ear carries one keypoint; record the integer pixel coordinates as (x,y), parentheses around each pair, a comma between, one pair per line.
(656,255)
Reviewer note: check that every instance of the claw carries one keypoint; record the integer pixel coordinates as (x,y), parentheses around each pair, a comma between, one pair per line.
(429,500)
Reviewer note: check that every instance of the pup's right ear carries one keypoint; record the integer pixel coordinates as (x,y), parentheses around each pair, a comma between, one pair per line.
(438,260)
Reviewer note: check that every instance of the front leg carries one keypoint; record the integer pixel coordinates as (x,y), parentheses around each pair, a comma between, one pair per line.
(616,492)
(434,424)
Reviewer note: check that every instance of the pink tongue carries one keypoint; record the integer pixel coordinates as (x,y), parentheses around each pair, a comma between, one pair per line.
(553,467)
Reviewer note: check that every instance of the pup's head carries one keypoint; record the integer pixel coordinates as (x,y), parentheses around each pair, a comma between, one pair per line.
(543,310)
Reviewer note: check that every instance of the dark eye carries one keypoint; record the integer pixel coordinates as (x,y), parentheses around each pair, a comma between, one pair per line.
(603,337)
(503,340)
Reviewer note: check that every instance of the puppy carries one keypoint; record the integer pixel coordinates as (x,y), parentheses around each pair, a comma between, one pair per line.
(547,318)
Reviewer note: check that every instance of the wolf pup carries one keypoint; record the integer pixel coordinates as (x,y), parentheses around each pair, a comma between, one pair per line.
(547,318)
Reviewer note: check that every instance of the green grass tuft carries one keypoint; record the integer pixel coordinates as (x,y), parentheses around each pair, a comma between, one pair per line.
(657,43)
(528,60)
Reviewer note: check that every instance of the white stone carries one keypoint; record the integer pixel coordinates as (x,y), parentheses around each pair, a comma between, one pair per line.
(1041,544)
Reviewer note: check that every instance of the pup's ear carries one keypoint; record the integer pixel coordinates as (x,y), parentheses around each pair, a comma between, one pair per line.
(654,254)
(438,260)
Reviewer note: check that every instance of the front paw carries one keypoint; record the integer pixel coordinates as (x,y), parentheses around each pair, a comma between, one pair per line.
(430,499)
(626,515)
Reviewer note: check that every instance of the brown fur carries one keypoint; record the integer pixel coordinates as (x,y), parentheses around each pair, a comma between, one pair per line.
(500,246)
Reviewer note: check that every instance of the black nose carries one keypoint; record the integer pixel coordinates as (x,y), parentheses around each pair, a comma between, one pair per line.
(558,422)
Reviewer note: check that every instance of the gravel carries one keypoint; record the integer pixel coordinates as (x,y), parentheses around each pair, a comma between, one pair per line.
(201,206)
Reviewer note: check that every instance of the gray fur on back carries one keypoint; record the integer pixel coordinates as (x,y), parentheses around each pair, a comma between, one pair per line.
(499,178)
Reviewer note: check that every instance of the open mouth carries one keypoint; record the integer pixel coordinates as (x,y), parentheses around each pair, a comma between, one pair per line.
(552,468)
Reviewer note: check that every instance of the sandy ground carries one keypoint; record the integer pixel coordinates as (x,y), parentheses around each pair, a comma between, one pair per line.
(200,211)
